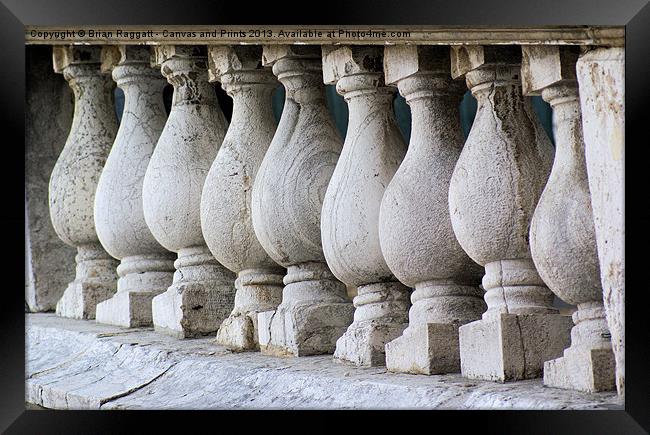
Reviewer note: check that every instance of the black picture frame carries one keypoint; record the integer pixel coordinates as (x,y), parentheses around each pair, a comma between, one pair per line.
(633,14)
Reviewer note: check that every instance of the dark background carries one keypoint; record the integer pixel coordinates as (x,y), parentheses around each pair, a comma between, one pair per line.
(635,14)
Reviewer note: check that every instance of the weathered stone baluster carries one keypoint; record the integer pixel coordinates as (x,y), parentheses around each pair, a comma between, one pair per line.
(226,200)
(415,231)
(49,106)
(562,238)
(75,175)
(494,189)
(146,268)
(202,292)
(601,77)
(373,150)
(287,199)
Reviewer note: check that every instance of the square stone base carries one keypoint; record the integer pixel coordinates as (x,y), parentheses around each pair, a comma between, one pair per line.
(191,310)
(364,342)
(80,299)
(590,370)
(303,329)
(129,309)
(238,332)
(511,347)
(427,349)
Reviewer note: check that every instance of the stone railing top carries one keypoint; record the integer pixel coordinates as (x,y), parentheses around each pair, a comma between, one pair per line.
(327,35)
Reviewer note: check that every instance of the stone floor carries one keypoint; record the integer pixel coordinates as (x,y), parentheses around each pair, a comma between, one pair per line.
(77,364)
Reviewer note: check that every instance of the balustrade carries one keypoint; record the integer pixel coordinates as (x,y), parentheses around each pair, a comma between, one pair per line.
(270,224)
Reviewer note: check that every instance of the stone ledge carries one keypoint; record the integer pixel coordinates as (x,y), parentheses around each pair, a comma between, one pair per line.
(79,364)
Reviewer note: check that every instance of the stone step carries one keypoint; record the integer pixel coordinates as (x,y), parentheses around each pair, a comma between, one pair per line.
(79,364)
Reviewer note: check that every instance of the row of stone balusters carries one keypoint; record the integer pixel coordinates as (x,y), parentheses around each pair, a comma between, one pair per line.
(270,224)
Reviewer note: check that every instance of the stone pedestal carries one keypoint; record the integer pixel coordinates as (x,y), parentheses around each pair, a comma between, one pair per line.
(299,326)
(130,309)
(75,175)
(94,282)
(146,268)
(372,152)
(226,199)
(589,364)
(426,349)
(202,292)
(494,190)
(508,347)
(287,200)
(417,240)
(199,299)
(601,78)
(562,237)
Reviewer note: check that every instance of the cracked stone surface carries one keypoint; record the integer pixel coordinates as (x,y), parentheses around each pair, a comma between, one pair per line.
(80,364)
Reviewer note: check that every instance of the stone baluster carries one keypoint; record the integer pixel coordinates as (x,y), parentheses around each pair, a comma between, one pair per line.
(417,240)
(601,77)
(494,189)
(562,238)
(372,152)
(226,200)
(202,293)
(75,175)
(287,200)
(146,268)
(49,105)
